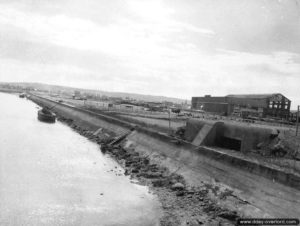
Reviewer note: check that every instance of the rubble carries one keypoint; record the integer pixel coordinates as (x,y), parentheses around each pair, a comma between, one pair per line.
(182,205)
(177,186)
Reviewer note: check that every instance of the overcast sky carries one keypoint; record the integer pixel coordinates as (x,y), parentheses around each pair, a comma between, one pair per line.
(178,48)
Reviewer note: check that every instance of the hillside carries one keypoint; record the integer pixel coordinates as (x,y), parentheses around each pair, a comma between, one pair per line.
(54,88)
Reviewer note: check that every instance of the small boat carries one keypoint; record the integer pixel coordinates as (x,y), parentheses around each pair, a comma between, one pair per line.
(46,115)
(22,95)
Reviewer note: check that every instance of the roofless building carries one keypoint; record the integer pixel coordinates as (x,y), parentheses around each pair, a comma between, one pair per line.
(261,105)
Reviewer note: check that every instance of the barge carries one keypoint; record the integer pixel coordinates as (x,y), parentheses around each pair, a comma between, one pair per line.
(46,115)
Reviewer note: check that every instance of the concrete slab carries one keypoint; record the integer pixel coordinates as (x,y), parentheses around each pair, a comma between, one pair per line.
(202,134)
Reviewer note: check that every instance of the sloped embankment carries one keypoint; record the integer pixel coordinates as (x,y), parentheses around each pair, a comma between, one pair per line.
(182,204)
(192,187)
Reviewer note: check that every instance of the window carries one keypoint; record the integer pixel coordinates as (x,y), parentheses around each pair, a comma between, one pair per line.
(270,104)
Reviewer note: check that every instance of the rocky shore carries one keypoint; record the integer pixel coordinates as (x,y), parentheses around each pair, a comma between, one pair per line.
(181,204)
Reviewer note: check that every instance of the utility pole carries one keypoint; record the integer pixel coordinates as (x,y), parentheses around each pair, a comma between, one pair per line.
(297,122)
(170,121)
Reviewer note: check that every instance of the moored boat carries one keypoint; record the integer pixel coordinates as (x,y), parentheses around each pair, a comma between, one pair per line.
(46,115)
(22,95)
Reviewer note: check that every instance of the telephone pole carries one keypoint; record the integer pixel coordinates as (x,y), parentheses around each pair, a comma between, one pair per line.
(297,120)
(169,121)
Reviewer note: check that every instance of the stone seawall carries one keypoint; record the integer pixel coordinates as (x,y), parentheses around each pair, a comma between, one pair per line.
(202,160)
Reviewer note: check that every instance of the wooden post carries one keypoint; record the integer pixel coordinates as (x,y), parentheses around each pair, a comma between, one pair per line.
(297,122)
(170,121)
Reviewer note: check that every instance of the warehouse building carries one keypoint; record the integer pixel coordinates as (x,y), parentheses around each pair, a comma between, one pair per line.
(259,105)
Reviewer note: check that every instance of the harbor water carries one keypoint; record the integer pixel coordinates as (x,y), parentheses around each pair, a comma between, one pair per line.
(50,175)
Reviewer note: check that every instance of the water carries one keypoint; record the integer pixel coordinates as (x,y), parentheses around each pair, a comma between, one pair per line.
(50,175)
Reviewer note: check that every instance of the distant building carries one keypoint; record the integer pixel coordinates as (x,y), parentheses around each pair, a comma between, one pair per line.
(129,107)
(260,105)
(293,116)
(78,96)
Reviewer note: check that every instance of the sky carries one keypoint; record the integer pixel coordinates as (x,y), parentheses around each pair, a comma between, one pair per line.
(175,48)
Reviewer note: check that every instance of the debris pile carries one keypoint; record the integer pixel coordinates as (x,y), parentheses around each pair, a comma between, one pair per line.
(281,144)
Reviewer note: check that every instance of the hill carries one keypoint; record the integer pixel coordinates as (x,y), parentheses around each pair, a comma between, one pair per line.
(55,88)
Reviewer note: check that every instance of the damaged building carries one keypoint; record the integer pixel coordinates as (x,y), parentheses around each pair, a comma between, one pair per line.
(258,105)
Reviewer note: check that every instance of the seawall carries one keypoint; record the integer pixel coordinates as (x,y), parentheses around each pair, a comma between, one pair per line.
(184,156)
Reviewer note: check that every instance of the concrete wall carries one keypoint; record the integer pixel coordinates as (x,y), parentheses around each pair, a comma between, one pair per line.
(193,126)
(249,136)
(198,101)
(206,162)
(253,102)
(220,108)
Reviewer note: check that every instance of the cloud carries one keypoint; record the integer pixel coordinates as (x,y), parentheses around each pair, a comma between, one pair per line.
(275,64)
(158,47)
(159,17)
(122,39)
(48,73)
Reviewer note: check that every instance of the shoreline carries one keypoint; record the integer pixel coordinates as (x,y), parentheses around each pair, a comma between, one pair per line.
(115,126)
(181,204)
(204,197)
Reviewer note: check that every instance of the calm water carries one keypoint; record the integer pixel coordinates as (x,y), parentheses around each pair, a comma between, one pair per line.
(50,175)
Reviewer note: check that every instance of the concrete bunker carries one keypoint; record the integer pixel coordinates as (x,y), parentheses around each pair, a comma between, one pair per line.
(226,135)
(229,143)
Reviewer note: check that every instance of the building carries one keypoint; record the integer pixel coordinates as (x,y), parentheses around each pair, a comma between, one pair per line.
(129,107)
(78,96)
(259,105)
